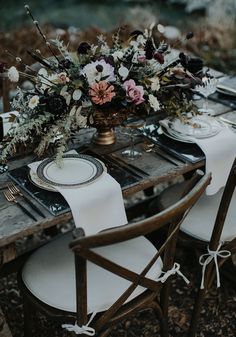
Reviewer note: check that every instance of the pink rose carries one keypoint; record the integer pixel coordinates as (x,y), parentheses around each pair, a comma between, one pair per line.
(141,58)
(134,93)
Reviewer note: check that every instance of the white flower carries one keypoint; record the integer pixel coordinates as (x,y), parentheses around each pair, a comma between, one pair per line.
(96,71)
(33,102)
(154,103)
(63,78)
(155,83)
(13,74)
(123,72)
(77,94)
(118,55)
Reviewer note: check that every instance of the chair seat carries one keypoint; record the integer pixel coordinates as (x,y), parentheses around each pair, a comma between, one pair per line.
(200,220)
(49,273)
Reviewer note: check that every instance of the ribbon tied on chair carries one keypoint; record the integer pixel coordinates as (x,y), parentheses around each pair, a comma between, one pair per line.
(205,259)
(79,330)
(174,270)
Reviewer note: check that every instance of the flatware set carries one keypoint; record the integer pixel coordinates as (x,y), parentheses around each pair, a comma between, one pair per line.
(11,194)
(11,198)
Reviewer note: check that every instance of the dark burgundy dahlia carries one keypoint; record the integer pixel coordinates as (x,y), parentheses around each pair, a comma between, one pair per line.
(56,105)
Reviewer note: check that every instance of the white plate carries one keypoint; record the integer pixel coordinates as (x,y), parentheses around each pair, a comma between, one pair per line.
(198,127)
(76,170)
(226,92)
(40,183)
(172,136)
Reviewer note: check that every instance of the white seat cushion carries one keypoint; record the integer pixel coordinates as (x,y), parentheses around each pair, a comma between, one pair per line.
(49,273)
(200,220)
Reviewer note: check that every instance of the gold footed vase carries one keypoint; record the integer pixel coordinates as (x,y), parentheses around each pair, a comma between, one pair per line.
(105,121)
(104,136)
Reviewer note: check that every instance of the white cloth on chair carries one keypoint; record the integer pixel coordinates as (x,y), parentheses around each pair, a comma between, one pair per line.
(49,273)
(200,220)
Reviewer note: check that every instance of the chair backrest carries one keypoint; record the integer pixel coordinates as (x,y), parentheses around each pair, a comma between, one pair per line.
(83,248)
(223,208)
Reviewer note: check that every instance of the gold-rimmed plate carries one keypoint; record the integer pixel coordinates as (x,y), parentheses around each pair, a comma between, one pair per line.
(40,183)
(75,170)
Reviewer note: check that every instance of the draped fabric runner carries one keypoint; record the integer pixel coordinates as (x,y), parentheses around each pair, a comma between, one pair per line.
(96,206)
(206,259)
(220,152)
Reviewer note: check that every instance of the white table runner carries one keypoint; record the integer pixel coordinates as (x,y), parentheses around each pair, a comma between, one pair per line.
(220,152)
(96,206)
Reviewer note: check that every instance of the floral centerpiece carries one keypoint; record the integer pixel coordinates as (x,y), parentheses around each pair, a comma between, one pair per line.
(98,85)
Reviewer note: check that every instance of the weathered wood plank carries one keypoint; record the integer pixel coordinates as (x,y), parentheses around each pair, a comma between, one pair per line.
(8,253)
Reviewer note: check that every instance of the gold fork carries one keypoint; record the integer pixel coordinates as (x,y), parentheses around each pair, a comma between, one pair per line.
(10,197)
(15,191)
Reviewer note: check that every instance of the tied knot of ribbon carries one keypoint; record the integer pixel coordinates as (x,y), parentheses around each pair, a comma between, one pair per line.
(174,270)
(205,259)
(79,330)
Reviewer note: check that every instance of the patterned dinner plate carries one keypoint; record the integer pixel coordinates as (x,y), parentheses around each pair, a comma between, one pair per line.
(40,183)
(197,127)
(75,170)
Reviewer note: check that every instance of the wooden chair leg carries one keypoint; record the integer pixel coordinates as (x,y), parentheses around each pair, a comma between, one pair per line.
(209,277)
(164,306)
(28,318)
(196,312)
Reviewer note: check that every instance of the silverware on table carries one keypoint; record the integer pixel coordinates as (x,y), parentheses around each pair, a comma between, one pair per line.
(15,191)
(11,198)
(227,121)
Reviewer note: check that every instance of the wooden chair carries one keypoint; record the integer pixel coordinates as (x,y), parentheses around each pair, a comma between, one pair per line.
(5,91)
(111,274)
(210,228)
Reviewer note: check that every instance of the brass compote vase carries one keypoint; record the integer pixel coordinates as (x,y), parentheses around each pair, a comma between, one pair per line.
(105,120)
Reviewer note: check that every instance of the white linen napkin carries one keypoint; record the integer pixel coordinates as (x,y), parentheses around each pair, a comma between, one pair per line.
(220,151)
(96,206)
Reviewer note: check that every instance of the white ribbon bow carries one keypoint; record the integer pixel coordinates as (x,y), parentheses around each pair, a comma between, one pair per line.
(212,255)
(174,270)
(84,329)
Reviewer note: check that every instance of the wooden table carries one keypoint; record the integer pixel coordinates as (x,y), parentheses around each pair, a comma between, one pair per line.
(15,225)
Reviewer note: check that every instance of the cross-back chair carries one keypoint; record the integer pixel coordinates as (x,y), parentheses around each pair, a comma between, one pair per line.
(210,228)
(111,274)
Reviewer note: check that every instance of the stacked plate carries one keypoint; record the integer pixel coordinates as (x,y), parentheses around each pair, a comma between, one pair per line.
(227,86)
(189,130)
(76,170)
